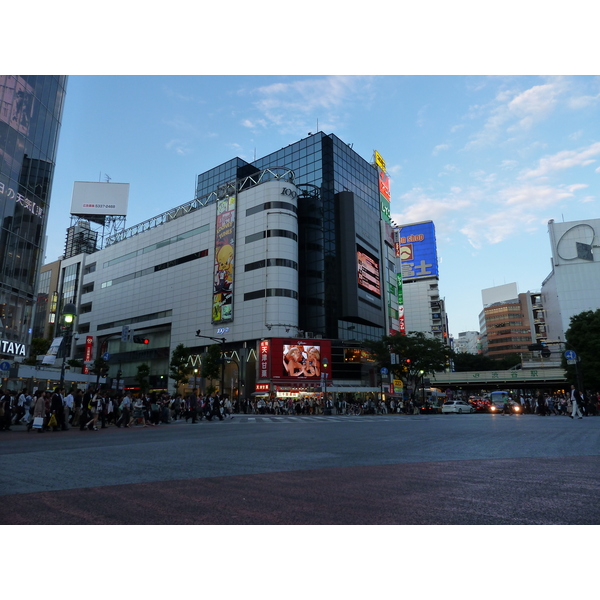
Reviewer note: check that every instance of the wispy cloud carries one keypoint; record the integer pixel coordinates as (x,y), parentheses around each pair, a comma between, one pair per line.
(295,106)
(565,159)
(516,111)
(439,148)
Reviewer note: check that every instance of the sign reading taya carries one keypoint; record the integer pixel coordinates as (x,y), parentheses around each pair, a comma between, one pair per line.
(12,348)
(222,308)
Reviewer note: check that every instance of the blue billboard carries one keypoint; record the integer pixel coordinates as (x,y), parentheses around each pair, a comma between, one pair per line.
(418,250)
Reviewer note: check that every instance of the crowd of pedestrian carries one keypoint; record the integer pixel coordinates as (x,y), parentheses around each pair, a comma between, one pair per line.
(95,409)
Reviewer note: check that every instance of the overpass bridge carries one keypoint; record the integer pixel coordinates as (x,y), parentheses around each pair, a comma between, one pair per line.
(524,378)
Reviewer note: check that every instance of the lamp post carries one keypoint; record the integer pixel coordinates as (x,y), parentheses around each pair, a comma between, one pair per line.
(324,364)
(68,316)
(222,342)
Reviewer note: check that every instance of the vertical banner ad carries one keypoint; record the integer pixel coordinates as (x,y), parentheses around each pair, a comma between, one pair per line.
(264,371)
(222,308)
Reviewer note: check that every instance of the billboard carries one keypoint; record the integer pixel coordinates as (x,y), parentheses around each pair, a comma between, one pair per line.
(99,199)
(299,359)
(418,250)
(222,306)
(368,272)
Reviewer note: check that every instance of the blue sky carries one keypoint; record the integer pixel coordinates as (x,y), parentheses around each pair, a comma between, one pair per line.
(490,159)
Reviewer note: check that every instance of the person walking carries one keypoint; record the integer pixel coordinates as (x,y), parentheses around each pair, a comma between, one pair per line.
(575,402)
(68,409)
(125,408)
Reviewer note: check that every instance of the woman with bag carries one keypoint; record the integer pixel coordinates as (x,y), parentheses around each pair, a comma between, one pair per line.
(39,412)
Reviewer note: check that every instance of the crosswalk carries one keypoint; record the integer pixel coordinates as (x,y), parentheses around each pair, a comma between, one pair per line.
(244,419)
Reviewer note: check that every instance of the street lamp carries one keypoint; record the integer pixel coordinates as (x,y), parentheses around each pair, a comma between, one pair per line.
(68,316)
(324,364)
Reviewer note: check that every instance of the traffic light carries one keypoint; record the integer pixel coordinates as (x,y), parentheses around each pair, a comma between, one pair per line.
(140,339)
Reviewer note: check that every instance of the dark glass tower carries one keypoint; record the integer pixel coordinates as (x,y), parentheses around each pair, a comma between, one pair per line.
(340,205)
(30,116)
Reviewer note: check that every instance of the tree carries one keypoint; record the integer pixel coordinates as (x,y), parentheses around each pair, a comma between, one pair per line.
(212,364)
(143,377)
(37,347)
(418,355)
(180,369)
(583,336)
(99,368)
(464,361)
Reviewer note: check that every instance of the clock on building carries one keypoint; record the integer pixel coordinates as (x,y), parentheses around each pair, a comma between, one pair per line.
(577,242)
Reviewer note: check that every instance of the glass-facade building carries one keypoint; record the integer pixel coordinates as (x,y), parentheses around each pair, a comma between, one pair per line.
(31,110)
(340,203)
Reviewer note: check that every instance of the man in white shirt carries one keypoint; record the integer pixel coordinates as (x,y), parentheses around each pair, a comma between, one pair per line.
(68,404)
(575,401)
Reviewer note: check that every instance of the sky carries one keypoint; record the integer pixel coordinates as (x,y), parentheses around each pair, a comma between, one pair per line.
(489,159)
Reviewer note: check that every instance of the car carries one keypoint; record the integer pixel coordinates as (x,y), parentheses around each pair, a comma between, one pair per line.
(498,408)
(428,408)
(457,406)
(480,405)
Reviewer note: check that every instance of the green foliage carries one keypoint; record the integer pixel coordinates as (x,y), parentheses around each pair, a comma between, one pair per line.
(180,369)
(583,336)
(37,347)
(418,355)
(463,361)
(211,362)
(143,377)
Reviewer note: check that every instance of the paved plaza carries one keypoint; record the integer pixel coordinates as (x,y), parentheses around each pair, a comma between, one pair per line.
(260,469)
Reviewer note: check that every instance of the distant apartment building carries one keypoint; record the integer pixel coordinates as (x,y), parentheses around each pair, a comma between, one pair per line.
(510,321)
(467,342)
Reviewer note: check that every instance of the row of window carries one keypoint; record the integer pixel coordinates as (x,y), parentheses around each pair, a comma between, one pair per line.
(271,262)
(271,233)
(270,205)
(271,292)
(166,265)
(158,245)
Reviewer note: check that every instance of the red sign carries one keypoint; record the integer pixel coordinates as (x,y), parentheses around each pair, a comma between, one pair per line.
(265,356)
(87,356)
(263,387)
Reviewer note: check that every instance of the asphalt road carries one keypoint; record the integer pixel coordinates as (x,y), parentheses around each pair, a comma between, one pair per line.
(439,469)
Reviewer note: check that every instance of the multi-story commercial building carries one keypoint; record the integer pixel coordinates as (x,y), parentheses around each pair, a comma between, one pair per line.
(30,116)
(510,321)
(424,308)
(573,286)
(285,262)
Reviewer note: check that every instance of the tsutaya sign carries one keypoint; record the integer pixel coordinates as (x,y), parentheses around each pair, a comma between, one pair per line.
(13,348)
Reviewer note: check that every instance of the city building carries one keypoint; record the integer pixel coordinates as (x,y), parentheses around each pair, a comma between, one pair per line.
(30,117)
(424,308)
(287,263)
(467,342)
(510,321)
(573,286)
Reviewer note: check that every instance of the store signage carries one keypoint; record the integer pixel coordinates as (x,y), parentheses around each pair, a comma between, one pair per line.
(12,348)
(379,161)
(265,355)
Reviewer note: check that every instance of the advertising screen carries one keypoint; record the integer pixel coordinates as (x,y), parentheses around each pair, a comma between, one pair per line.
(418,250)
(368,272)
(299,359)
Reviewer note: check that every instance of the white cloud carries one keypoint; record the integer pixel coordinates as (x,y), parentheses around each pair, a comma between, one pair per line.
(516,112)
(297,105)
(565,159)
(439,148)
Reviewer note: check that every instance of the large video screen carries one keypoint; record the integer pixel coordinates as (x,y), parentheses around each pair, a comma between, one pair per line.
(299,359)
(368,272)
